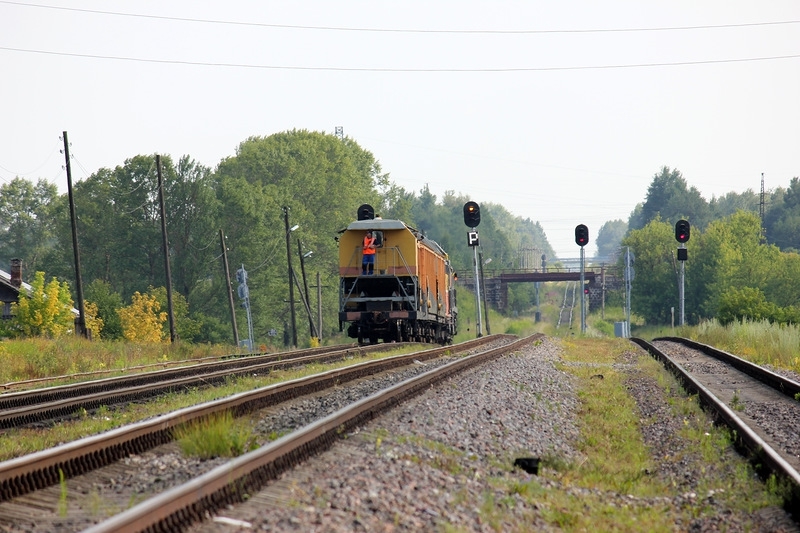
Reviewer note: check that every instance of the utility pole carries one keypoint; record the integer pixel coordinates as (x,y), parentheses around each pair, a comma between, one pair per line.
(228,284)
(170,312)
(319,306)
(291,275)
(761,208)
(78,283)
(312,329)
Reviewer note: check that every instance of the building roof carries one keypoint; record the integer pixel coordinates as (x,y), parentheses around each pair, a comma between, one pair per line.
(10,293)
(5,281)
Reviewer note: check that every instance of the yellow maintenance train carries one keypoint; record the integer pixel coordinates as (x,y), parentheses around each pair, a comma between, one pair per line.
(409,295)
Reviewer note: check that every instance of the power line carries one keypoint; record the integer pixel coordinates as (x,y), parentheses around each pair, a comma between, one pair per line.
(44,162)
(428,70)
(403,30)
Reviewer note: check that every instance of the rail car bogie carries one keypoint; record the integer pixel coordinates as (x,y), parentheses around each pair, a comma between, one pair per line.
(410,294)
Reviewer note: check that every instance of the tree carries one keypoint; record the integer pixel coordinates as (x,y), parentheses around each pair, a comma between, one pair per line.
(736,305)
(654,295)
(25,221)
(670,198)
(782,222)
(185,327)
(729,255)
(94,324)
(396,203)
(322,180)
(142,320)
(730,203)
(119,223)
(107,302)
(48,310)
(523,236)
(192,225)
(609,238)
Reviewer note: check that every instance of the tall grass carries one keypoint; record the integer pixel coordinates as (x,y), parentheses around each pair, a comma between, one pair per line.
(36,358)
(763,343)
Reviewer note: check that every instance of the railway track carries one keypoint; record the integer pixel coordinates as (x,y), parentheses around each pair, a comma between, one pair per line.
(30,483)
(761,407)
(567,306)
(41,406)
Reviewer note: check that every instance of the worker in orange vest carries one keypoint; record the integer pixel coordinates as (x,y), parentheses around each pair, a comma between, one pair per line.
(368,257)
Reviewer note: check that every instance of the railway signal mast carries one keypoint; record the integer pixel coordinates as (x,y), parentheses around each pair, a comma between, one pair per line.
(582,239)
(472,217)
(682,234)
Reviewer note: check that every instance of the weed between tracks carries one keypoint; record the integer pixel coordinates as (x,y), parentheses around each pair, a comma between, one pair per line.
(217,436)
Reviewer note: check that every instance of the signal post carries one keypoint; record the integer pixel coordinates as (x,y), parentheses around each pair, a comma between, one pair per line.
(582,239)
(682,234)
(472,217)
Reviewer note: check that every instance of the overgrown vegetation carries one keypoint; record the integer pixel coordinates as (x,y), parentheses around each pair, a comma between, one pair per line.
(220,435)
(762,342)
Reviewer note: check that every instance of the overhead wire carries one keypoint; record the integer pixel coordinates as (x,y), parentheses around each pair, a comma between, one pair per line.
(417,70)
(401,30)
(44,162)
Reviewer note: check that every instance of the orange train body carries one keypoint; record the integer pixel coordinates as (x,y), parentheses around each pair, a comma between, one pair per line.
(410,294)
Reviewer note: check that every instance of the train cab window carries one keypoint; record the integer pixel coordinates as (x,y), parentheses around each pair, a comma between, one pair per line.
(378,236)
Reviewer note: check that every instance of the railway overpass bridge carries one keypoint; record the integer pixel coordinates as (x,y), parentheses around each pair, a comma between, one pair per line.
(494,285)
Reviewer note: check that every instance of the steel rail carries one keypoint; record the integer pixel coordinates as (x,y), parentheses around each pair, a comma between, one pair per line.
(42,469)
(745,438)
(180,506)
(10,400)
(776,381)
(148,367)
(46,404)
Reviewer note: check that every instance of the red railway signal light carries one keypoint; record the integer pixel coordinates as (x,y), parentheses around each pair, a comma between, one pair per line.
(682,231)
(581,235)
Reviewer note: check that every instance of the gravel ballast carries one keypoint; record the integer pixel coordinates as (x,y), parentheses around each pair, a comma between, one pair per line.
(444,460)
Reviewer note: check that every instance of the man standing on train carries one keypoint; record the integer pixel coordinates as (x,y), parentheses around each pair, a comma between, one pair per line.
(368,257)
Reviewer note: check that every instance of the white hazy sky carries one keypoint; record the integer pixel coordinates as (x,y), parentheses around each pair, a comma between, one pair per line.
(562,111)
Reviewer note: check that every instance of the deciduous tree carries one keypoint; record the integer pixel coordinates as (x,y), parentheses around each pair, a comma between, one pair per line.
(48,310)
(143,320)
